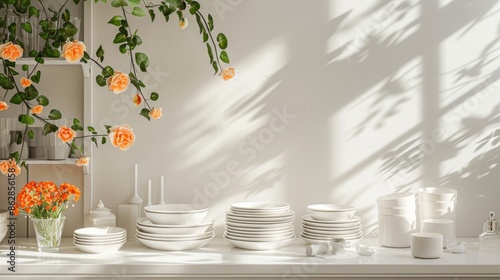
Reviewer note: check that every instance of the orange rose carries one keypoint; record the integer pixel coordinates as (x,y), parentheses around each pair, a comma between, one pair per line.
(122,137)
(137,99)
(118,82)
(183,23)
(155,113)
(37,110)
(73,51)
(66,134)
(25,82)
(3,106)
(227,73)
(9,166)
(83,161)
(10,51)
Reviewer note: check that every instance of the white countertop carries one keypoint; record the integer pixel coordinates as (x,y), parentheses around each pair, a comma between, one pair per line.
(219,259)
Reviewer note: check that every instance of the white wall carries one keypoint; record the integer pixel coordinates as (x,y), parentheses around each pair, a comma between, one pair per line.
(382,96)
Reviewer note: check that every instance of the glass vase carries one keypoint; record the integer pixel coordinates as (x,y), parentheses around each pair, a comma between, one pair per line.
(48,233)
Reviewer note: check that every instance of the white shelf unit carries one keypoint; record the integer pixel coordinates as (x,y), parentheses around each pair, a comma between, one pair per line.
(49,61)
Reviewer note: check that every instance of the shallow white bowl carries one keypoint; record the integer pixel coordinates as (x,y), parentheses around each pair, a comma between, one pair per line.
(437,194)
(331,212)
(174,208)
(309,240)
(260,221)
(98,242)
(188,218)
(396,200)
(331,208)
(263,218)
(99,249)
(260,239)
(175,245)
(309,219)
(331,232)
(147,226)
(354,226)
(250,214)
(259,246)
(259,232)
(259,207)
(244,226)
(100,238)
(339,226)
(100,231)
(175,236)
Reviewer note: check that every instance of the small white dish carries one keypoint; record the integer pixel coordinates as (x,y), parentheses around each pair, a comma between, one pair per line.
(165,245)
(309,219)
(457,247)
(331,212)
(273,218)
(259,207)
(98,243)
(259,246)
(100,239)
(100,231)
(100,249)
(176,218)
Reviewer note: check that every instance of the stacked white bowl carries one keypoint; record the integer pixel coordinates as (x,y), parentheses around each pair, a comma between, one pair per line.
(4,214)
(175,227)
(330,221)
(396,219)
(99,239)
(259,225)
(437,211)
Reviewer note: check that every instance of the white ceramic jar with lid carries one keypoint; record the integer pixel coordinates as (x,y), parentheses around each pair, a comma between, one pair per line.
(100,217)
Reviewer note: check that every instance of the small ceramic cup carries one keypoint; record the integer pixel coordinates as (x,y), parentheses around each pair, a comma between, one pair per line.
(426,245)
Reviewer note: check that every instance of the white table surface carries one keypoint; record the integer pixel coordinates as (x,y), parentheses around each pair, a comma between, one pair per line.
(219,259)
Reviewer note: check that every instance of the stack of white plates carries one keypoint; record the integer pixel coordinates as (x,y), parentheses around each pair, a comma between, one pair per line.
(259,225)
(99,239)
(175,227)
(327,222)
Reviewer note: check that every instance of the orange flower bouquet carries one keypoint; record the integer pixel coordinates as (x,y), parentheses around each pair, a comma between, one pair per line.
(44,203)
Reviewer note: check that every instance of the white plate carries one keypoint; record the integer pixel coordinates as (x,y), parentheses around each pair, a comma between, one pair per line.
(244,226)
(332,226)
(250,218)
(261,221)
(309,219)
(334,236)
(329,231)
(100,231)
(175,231)
(259,239)
(260,246)
(259,232)
(319,241)
(245,214)
(175,236)
(174,209)
(260,207)
(175,245)
(98,241)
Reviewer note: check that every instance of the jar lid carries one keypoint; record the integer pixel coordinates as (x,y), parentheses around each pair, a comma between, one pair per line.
(100,209)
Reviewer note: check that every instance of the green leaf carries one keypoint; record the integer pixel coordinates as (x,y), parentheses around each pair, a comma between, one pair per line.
(200,24)
(154,96)
(108,71)
(36,78)
(100,80)
(49,128)
(152,14)
(134,2)
(91,129)
(31,134)
(108,128)
(55,114)
(123,48)
(224,57)
(120,38)
(66,15)
(40,60)
(205,36)
(16,99)
(42,100)
(32,11)
(30,93)
(116,20)
(25,67)
(70,29)
(119,3)
(214,65)
(94,140)
(26,26)
(142,60)
(221,38)
(103,140)
(195,6)
(145,113)
(138,11)
(210,22)
(26,119)
(100,53)
(210,53)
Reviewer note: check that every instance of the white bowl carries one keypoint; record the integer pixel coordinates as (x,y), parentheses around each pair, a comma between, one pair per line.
(147,226)
(260,221)
(396,200)
(309,219)
(259,207)
(339,226)
(427,245)
(244,226)
(175,236)
(397,211)
(258,230)
(3,231)
(331,212)
(331,232)
(99,249)
(395,231)
(259,246)
(263,218)
(98,242)
(99,231)
(250,214)
(4,215)
(238,235)
(437,194)
(174,208)
(100,239)
(188,218)
(260,239)
(175,245)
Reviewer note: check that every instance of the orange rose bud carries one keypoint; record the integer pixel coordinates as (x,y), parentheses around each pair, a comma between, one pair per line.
(37,110)
(183,23)
(227,74)
(118,82)
(3,106)
(66,134)
(137,100)
(83,161)
(155,113)
(73,51)
(25,82)
(10,51)
(122,136)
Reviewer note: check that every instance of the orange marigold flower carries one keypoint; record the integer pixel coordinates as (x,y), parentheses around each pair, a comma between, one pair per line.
(122,136)
(83,161)
(73,51)
(155,113)
(137,99)
(227,74)
(10,51)
(3,106)
(66,134)
(25,82)
(118,82)
(37,110)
